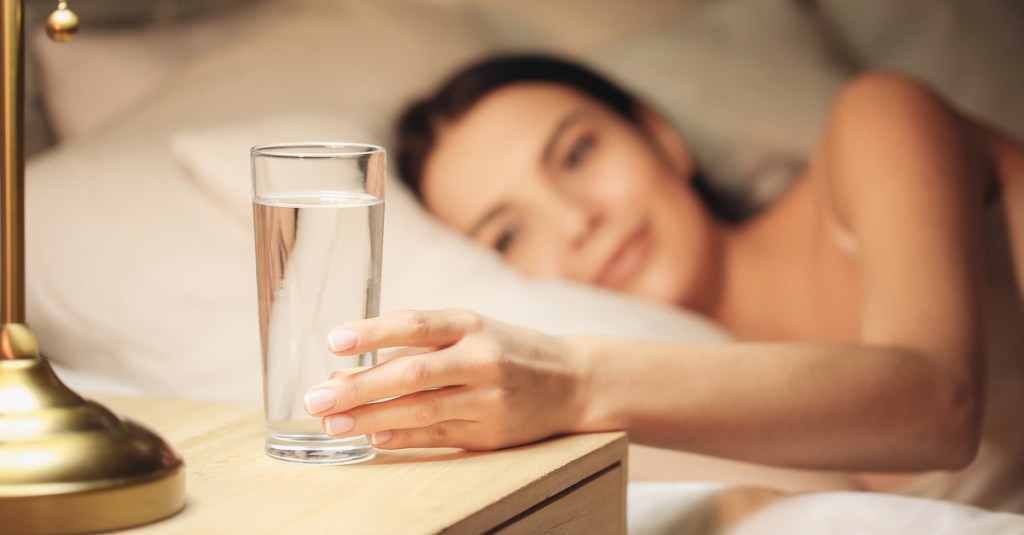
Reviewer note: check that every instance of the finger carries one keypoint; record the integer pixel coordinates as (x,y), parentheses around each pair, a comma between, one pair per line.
(417,328)
(349,371)
(382,357)
(421,409)
(449,434)
(415,373)
(385,355)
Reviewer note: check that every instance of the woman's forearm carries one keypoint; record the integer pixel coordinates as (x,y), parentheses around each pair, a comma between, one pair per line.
(790,404)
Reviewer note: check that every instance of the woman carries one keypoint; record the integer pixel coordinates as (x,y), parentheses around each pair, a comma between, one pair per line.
(859,294)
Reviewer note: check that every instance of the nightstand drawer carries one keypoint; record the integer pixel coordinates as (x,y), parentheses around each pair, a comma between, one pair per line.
(595,505)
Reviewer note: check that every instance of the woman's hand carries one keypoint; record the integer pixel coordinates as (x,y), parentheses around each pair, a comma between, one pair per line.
(475,383)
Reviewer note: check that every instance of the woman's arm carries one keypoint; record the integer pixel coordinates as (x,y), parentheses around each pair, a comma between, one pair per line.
(482,385)
(908,175)
(814,406)
(908,398)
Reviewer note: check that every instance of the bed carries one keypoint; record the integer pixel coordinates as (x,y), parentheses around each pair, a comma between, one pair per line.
(141,272)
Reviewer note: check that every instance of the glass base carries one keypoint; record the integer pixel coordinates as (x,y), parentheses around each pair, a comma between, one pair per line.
(318,449)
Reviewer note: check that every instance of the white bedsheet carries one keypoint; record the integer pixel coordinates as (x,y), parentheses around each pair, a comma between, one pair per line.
(686,508)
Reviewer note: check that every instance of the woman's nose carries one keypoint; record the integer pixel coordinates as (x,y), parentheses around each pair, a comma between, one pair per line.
(569,226)
(578,224)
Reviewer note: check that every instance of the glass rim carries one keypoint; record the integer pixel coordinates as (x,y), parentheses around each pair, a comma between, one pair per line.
(312,149)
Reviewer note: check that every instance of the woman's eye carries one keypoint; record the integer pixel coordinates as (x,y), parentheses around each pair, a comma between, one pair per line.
(506,238)
(578,151)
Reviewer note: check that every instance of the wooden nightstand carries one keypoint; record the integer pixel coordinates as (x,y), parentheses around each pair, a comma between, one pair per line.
(572,484)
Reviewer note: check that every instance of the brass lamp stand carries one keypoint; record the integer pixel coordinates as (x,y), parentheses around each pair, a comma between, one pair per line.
(67,465)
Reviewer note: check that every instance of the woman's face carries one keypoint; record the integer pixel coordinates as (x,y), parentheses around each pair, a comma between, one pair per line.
(562,186)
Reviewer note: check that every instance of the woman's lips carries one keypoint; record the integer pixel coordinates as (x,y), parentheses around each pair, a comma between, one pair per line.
(626,260)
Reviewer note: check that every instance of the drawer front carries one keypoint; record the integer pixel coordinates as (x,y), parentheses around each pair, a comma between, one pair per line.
(596,505)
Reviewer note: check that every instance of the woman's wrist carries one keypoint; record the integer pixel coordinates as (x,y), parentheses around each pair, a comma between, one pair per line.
(593,401)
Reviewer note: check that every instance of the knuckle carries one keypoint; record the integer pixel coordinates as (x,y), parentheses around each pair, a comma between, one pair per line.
(495,362)
(413,371)
(474,321)
(416,322)
(501,397)
(471,321)
(428,410)
(504,364)
(348,389)
(439,434)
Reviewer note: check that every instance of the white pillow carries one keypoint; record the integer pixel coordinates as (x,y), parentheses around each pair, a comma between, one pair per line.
(125,264)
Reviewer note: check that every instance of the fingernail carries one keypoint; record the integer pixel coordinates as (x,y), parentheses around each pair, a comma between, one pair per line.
(339,423)
(380,437)
(342,339)
(320,400)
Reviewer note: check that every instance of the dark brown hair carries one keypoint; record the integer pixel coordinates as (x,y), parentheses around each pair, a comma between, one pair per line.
(417,128)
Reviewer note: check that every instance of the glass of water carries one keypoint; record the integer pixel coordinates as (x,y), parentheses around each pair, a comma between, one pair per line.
(318,210)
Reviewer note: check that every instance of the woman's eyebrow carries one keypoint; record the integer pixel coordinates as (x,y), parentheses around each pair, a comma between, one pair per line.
(487,218)
(557,132)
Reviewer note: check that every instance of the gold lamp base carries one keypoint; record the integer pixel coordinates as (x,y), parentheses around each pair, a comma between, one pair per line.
(69,465)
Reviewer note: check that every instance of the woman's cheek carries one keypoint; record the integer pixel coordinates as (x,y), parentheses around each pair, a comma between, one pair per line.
(535,257)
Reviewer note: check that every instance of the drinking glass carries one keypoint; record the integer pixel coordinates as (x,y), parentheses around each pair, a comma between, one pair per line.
(318,210)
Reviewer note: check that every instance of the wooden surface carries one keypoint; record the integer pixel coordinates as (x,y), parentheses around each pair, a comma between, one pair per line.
(566,484)
(584,509)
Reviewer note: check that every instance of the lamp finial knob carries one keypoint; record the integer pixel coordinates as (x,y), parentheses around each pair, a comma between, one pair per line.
(62,24)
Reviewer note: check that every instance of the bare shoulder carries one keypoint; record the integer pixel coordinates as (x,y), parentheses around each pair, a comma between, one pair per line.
(887,95)
(878,111)
(888,130)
